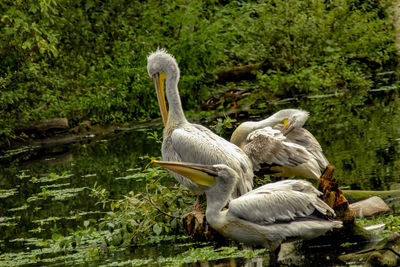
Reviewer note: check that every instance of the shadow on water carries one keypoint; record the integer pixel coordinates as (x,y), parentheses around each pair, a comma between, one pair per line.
(359,134)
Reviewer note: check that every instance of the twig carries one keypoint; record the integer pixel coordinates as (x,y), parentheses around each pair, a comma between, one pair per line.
(157,208)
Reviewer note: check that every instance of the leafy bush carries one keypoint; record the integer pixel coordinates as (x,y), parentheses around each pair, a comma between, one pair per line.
(87,60)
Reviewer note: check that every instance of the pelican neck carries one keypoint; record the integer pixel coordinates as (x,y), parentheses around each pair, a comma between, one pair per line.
(270,121)
(175,111)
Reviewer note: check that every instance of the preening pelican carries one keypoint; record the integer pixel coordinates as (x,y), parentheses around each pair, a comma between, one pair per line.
(266,216)
(187,142)
(280,143)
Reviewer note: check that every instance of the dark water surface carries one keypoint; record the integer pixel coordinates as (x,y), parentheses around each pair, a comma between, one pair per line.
(40,191)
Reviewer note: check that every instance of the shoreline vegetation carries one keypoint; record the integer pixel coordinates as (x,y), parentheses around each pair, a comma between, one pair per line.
(87,62)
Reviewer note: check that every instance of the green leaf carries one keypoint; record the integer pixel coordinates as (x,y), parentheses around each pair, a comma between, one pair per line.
(157,229)
(56,236)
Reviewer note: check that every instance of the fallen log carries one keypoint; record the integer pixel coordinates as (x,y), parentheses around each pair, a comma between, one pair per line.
(245,72)
(43,126)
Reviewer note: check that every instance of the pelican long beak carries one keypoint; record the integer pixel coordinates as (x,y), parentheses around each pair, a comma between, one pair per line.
(287,127)
(159,80)
(200,174)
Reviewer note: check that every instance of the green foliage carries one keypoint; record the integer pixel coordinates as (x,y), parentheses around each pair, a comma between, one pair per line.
(88,60)
(155,136)
(139,217)
(222,126)
(392,223)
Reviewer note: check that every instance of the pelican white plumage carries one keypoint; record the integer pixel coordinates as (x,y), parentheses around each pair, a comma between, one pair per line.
(280,143)
(187,142)
(266,216)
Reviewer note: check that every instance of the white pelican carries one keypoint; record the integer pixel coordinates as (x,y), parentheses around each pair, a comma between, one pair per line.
(266,216)
(280,143)
(187,142)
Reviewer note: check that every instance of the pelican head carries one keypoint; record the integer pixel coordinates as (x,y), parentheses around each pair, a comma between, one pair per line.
(161,65)
(292,119)
(217,180)
(200,174)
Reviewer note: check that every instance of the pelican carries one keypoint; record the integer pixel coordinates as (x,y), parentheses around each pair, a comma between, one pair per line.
(282,144)
(188,142)
(266,216)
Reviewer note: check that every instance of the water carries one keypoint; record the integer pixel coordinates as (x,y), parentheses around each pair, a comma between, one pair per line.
(47,191)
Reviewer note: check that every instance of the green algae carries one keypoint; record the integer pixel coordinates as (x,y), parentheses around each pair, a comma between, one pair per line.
(5,193)
(57,194)
(52,177)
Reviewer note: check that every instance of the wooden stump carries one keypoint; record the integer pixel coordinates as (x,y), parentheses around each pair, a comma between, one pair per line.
(333,196)
(195,225)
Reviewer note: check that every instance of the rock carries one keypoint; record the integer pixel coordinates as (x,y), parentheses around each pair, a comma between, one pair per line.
(376,228)
(369,207)
(289,255)
(385,253)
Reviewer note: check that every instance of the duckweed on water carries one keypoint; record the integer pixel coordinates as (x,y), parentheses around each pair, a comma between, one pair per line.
(9,221)
(208,253)
(23,207)
(4,193)
(14,152)
(60,194)
(54,185)
(52,177)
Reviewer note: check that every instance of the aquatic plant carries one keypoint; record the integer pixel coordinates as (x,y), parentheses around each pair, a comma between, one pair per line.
(392,223)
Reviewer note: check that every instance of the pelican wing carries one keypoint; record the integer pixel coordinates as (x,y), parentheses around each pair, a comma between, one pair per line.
(274,205)
(195,143)
(287,185)
(303,137)
(270,146)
